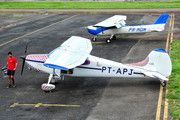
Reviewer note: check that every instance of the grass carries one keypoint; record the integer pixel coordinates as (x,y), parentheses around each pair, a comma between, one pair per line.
(17,16)
(93,13)
(174,83)
(88,5)
(137,22)
(41,13)
(122,35)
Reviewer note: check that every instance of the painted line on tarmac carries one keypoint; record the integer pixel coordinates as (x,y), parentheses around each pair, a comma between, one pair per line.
(36,30)
(98,42)
(41,104)
(165,117)
(161,88)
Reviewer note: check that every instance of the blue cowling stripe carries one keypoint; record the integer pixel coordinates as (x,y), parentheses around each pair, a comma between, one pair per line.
(56,66)
(97,31)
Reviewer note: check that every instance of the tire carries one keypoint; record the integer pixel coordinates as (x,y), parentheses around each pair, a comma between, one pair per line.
(108,41)
(164,85)
(94,39)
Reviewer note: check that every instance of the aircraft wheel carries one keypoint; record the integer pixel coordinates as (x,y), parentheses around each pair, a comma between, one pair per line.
(114,37)
(53,81)
(94,39)
(163,84)
(108,41)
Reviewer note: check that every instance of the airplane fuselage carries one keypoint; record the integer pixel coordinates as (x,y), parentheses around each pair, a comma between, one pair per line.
(102,31)
(93,67)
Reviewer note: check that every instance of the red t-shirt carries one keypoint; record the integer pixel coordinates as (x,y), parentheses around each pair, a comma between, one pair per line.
(11,63)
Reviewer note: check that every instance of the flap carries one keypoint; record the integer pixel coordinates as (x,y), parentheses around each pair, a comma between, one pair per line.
(113,21)
(155,75)
(73,52)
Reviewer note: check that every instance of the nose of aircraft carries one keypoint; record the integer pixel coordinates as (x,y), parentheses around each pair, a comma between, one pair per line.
(92,30)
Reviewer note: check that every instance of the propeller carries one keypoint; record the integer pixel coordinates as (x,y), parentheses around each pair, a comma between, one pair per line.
(24,58)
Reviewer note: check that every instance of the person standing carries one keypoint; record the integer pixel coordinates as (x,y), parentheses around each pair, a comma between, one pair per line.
(12,65)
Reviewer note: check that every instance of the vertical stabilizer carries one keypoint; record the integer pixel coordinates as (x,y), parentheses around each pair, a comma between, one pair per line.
(158,61)
(162,19)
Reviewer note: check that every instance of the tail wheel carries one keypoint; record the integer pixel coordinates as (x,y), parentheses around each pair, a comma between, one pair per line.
(108,41)
(163,84)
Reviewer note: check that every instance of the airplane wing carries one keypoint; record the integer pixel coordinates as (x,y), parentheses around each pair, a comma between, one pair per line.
(73,52)
(114,21)
(155,75)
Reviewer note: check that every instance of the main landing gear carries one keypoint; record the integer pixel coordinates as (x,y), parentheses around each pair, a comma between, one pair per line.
(94,39)
(113,37)
(46,87)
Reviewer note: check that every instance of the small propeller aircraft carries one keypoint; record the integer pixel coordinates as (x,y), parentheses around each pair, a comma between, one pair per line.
(73,59)
(116,25)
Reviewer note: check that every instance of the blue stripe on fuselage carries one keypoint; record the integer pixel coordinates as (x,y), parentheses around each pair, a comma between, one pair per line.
(35,61)
(89,68)
(97,30)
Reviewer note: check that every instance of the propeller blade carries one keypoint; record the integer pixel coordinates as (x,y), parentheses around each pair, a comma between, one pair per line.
(26,48)
(23,65)
(24,58)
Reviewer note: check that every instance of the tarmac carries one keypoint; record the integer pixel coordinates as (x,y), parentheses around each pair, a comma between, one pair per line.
(79,98)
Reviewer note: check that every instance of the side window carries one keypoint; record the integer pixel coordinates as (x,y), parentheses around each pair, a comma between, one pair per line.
(70,71)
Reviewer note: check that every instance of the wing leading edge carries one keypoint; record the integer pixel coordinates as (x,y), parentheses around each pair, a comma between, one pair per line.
(114,21)
(73,52)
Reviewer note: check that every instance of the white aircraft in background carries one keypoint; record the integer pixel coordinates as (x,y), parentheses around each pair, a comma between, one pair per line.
(116,25)
(73,59)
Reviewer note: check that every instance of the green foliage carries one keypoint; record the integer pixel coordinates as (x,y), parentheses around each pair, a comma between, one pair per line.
(122,35)
(174,83)
(88,5)
(93,13)
(137,22)
(18,16)
(41,13)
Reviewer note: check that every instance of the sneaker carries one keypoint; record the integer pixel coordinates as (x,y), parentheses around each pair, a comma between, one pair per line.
(14,86)
(8,86)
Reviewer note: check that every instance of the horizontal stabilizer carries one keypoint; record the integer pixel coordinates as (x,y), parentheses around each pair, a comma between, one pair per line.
(155,75)
(156,30)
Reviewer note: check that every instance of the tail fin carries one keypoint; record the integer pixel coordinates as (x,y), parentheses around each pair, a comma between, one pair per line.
(157,64)
(162,19)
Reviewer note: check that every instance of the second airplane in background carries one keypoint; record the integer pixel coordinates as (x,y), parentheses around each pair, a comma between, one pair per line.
(116,25)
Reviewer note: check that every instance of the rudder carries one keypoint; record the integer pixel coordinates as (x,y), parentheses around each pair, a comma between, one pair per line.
(157,61)
(162,19)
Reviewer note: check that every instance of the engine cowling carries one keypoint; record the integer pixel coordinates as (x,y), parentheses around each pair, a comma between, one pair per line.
(47,87)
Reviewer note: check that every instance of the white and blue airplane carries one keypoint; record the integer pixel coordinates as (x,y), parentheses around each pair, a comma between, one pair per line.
(116,25)
(73,59)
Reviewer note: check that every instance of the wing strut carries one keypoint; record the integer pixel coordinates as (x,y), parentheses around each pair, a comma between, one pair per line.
(102,30)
